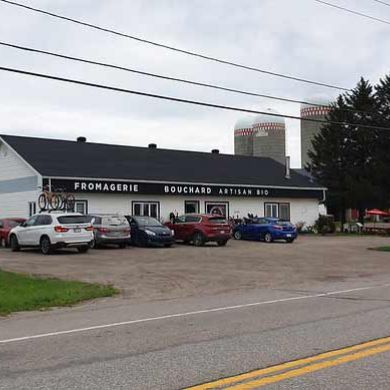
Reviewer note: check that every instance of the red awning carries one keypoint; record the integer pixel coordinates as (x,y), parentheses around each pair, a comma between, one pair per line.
(377,212)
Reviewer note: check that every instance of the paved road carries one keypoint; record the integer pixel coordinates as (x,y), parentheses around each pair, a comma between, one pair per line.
(180,343)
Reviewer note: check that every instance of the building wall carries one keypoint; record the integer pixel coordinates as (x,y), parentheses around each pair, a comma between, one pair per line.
(243,142)
(310,129)
(18,184)
(300,209)
(271,143)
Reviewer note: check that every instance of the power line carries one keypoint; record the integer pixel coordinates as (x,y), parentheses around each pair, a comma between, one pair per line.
(186,81)
(179,100)
(176,49)
(348,10)
(382,2)
(118,67)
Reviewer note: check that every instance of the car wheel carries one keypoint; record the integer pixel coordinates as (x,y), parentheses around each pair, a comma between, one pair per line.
(268,238)
(14,243)
(45,246)
(222,242)
(83,249)
(198,239)
(92,244)
(237,235)
(168,245)
(3,243)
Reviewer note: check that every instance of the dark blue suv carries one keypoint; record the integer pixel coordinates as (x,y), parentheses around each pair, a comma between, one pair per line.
(265,229)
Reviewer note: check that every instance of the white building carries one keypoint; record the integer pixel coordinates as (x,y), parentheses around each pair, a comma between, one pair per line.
(150,181)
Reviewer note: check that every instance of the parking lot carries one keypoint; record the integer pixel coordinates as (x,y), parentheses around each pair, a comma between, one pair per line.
(146,274)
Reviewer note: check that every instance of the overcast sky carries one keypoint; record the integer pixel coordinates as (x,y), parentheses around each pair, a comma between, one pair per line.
(300,37)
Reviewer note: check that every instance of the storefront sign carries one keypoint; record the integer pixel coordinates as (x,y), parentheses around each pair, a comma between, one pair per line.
(122,187)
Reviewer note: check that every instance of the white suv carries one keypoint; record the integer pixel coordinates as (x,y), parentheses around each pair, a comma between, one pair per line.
(49,231)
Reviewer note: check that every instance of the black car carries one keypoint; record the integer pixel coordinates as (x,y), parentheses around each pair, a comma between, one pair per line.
(148,231)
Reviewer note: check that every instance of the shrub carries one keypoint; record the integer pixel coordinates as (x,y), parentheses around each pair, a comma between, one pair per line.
(325,224)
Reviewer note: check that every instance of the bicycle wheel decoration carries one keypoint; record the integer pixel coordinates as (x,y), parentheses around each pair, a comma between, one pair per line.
(55,201)
(42,201)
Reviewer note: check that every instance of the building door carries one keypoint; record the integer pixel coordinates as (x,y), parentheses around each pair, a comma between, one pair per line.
(146,209)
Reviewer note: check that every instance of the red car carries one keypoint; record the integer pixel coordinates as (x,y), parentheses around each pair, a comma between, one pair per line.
(200,229)
(6,225)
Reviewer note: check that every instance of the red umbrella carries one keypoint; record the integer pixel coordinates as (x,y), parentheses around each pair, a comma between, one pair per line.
(377,212)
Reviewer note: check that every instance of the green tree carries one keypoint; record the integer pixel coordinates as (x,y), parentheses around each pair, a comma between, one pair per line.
(343,155)
(329,158)
(382,152)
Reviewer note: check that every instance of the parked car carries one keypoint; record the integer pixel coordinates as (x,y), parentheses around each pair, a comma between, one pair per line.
(199,229)
(266,229)
(109,229)
(148,231)
(49,231)
(6,225)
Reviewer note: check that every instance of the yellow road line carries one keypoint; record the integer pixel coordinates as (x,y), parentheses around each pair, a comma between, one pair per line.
(269,370)
(311,368)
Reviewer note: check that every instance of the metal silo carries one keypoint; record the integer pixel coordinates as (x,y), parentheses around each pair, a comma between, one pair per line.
(243,137)
(270,137)
(310,129)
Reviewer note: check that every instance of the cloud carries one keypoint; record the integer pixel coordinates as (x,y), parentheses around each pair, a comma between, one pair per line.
(299,38)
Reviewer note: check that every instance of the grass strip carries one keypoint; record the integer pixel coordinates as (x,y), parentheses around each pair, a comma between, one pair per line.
(381,249)
(22,292)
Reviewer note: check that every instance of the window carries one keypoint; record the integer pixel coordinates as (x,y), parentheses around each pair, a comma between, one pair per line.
(284,211)
(180,219)
(217,220)
(271,210)
(81,206)
(277,210)
(143,221)
(220,208)
(71,219)
(32,221)
(146,209)
(191,206)
(32,208)
(192,219)
(43,220)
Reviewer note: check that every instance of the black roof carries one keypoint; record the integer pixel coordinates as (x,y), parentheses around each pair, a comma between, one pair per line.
(60,158)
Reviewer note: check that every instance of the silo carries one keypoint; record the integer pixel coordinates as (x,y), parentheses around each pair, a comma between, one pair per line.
(243,137)
(309,129)
(270,136)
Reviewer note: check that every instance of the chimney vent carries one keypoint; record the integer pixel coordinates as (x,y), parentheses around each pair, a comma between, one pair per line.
(288,175)
(152,146)
(215,151)
(81,139)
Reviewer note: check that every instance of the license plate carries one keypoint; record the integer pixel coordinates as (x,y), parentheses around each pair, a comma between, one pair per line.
(222,231)
(77,230)
(288,235)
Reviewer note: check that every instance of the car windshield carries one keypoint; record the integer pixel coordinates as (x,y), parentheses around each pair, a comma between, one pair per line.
(283,223)
(217,220)
(147,221)
(70,219)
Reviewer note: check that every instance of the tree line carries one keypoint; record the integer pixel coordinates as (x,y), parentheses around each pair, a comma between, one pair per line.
(351,160)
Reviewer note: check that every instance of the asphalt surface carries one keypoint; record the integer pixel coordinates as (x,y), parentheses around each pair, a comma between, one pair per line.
(176,343)
(182,351)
